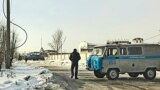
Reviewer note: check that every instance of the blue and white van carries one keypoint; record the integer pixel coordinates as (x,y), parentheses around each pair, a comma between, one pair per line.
(113,59)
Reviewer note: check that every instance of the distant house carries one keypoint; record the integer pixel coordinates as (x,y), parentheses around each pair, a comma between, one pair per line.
(85,47)
(138,40)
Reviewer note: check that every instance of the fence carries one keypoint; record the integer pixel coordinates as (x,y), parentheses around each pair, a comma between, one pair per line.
(84,56)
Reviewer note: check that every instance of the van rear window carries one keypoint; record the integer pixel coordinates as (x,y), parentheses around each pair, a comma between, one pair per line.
(134,50)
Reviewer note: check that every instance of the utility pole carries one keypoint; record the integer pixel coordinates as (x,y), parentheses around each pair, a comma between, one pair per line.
(8,36)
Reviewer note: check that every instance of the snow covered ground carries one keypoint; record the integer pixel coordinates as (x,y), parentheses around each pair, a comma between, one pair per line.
(82,65)
(24,77)
(63,63)
(87,80)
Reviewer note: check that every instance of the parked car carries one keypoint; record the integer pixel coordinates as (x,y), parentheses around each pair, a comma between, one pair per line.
(34,57)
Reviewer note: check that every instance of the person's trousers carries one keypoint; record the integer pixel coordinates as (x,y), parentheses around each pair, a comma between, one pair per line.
(74,66)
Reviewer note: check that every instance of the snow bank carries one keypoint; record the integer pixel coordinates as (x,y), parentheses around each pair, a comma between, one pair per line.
(24,77)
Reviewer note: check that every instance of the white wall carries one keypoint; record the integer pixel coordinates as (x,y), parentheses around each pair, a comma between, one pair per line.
(84,56)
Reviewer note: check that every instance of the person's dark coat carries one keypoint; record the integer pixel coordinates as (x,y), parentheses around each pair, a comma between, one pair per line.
(74,57)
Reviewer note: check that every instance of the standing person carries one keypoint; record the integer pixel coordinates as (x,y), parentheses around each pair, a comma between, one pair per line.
(26,59)
(74,57)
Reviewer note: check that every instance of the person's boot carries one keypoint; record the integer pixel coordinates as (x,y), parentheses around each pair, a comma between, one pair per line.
(76,78)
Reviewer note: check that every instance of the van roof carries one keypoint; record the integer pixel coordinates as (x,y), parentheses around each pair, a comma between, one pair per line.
(127,45)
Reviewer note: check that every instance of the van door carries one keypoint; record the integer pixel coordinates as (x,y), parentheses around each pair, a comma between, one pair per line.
(125,64)
(138,60)
(129,59)
(112,56)
(110,59)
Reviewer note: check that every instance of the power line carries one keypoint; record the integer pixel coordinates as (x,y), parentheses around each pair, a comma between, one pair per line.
(152,37)
(17,26)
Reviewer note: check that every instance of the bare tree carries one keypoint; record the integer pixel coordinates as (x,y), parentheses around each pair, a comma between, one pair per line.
(14,44)
(2,44)
(14,41)
(57,41)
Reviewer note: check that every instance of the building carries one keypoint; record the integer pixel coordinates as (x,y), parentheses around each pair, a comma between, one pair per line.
(85,47)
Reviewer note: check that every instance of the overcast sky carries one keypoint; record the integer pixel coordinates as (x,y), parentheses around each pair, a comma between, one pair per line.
(94,21)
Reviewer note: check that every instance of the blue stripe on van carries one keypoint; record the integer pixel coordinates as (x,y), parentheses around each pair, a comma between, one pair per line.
(134,57)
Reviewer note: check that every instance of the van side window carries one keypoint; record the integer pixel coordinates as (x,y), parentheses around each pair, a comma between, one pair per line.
(123,51)
(112,51)
(135,50)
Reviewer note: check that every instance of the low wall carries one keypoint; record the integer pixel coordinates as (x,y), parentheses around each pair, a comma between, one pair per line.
(84,56)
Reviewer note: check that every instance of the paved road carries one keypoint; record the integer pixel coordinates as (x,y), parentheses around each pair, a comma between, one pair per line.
(87,81)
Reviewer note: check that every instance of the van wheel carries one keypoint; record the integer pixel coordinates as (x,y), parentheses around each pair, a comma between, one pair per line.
(149,74)
(134,75)
(112,74)
(98,74)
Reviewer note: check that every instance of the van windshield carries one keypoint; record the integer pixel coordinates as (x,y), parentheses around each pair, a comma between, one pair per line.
(98,51)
